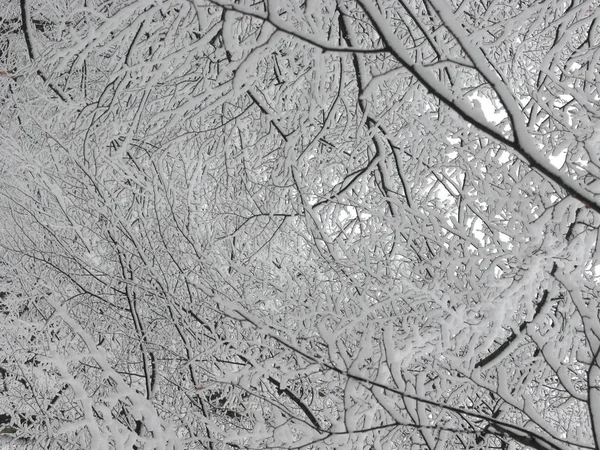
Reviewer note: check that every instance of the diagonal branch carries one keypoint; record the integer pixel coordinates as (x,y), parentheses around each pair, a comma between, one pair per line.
(522,143)
(502,349)
(25,22)
(545,443)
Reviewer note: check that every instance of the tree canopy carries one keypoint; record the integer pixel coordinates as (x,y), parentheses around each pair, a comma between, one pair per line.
(300,224)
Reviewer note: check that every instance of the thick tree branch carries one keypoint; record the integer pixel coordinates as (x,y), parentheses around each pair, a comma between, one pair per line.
(522,143)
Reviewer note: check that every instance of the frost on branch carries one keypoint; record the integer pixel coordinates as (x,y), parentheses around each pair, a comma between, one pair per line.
(286,224)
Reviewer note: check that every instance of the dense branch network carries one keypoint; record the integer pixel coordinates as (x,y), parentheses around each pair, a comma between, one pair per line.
(299,224)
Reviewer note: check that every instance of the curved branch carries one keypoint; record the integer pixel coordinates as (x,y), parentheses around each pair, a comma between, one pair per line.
(281,25)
